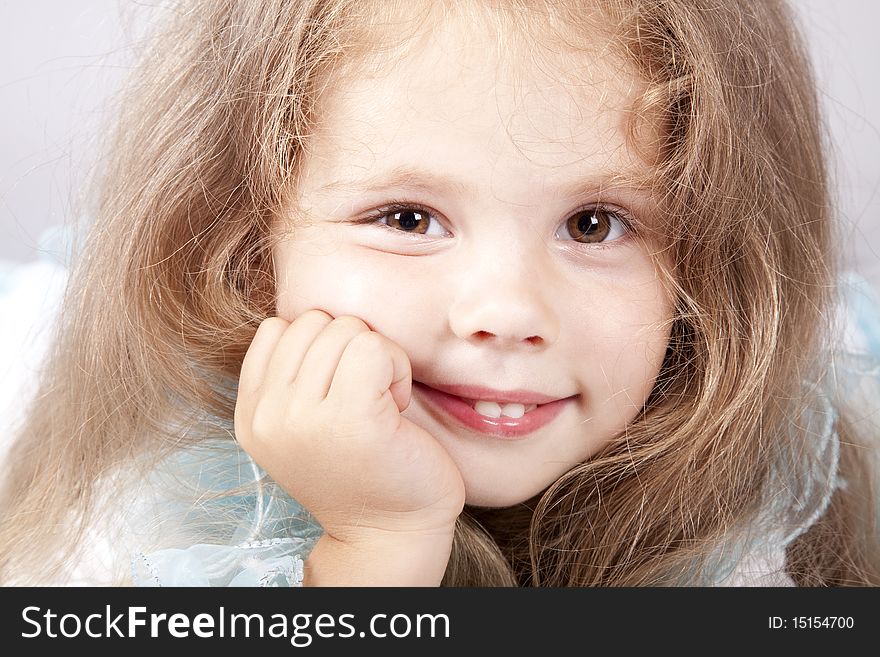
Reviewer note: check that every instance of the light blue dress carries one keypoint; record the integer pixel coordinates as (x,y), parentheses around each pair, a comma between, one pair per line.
(245,530)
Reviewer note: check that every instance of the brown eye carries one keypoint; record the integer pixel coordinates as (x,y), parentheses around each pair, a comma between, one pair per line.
(410,220)
(591,226)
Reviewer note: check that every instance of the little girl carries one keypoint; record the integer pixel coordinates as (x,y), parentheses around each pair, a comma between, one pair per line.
(415,293)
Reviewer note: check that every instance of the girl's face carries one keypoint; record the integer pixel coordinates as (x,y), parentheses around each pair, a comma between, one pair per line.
(461,203)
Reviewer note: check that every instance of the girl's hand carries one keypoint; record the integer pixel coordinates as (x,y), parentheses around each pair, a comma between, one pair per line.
(319,408)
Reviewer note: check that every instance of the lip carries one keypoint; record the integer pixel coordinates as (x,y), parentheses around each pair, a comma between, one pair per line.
(450,401)
(478,393)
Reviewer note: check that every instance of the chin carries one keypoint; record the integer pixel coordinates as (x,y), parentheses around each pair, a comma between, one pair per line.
(493,499)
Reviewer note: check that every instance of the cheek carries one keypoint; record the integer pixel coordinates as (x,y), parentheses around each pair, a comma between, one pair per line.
(629,368)
(627,344)
(345,282)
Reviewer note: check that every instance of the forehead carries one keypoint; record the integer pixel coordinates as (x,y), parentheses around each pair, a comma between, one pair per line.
(459,82)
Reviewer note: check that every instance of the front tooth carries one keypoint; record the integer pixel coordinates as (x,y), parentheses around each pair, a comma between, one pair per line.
(488,408)
(513,410)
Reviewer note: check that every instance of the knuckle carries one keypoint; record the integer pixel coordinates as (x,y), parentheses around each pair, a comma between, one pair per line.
(271,323)
(314,315)
(349,323)
(368,342)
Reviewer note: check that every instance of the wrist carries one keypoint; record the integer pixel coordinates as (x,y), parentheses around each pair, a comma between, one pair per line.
(379,558)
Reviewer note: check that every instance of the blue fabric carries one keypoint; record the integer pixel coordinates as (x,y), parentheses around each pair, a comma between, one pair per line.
(243,530)
(863,305)
(277,562)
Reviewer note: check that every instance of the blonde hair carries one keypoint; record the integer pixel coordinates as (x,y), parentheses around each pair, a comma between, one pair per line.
(177,273)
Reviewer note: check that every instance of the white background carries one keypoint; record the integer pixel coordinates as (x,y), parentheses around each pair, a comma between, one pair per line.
(61,61)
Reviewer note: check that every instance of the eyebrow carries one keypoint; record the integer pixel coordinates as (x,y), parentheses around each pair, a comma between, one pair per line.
(422,180)
(401,178)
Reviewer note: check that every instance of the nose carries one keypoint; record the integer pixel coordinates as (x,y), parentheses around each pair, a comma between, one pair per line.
(504,302)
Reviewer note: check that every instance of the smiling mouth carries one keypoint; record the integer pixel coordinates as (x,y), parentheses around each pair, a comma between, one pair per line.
(511,414)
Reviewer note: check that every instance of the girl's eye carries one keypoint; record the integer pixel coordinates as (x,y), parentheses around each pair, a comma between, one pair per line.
(413,220)
(592,226)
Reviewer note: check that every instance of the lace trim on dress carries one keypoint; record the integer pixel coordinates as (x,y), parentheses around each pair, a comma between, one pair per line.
(269,563)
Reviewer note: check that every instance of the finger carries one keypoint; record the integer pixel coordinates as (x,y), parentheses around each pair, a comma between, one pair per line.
(293,346)
(372,366)
(320,362)
(259,354)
